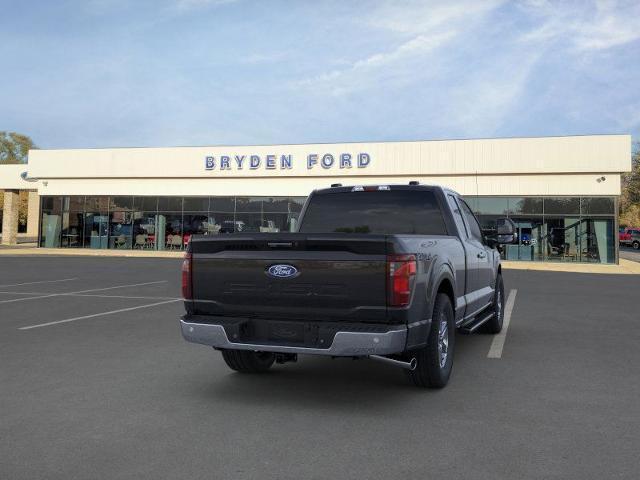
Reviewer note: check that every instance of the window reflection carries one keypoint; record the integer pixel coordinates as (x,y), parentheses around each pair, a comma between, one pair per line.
(597,206)
(144,230)
(169,231)
(549,228)
(51,224)
(72,222)
(120,230)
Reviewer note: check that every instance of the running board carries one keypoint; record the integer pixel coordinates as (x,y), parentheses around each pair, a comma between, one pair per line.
(476,323)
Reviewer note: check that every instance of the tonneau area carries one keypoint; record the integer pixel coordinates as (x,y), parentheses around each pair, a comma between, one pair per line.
(338,278)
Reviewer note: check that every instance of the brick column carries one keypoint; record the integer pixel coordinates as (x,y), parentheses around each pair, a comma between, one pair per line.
(10,217)
(33,214)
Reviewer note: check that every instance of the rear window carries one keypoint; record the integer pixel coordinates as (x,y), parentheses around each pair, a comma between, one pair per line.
(378,212)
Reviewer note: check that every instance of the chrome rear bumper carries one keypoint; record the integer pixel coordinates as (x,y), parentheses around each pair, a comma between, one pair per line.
(345,344)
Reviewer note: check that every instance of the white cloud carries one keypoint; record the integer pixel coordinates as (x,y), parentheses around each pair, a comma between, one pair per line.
(422,28)
(418,17)
(361,73)
(479,105)
(600,26)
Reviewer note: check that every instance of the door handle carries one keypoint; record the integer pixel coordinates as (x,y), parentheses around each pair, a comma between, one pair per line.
(482,255)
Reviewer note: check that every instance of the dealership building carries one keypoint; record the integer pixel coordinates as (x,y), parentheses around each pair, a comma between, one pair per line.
(562,192)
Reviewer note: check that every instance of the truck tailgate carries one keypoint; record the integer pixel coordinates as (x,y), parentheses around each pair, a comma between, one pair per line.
(334,277)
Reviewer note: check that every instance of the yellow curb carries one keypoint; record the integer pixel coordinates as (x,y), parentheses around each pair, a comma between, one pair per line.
(626,267)
(87,252)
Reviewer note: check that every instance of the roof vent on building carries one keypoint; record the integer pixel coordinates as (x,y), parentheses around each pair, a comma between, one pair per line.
(414,182)
(333,185)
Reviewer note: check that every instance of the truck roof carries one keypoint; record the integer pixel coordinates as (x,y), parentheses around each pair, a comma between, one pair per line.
(338,188)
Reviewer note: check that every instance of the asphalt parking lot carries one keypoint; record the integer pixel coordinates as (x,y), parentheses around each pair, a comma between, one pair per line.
(629,253)
(96,382)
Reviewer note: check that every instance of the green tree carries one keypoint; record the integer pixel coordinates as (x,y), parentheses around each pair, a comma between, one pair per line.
(630,198)
(14,147)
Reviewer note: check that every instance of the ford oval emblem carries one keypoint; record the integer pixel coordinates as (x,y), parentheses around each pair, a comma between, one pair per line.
(282,271)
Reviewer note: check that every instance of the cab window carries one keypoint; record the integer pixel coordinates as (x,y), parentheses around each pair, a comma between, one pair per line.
(474,226)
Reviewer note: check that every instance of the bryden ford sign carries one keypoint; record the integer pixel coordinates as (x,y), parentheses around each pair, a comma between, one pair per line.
(285,162)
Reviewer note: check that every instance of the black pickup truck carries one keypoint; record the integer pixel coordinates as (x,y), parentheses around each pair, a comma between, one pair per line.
(386,272)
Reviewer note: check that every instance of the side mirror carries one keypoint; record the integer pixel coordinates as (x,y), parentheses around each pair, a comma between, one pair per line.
(506,231)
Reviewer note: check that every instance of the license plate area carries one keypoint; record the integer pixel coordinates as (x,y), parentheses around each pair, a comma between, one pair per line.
(289,332)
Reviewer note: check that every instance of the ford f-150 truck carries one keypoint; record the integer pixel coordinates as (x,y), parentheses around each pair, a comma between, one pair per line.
(385,272)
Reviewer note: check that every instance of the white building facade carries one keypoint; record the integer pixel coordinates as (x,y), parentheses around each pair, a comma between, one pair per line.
(561,191)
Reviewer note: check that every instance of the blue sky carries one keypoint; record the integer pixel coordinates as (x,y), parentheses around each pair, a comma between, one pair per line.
(103,73)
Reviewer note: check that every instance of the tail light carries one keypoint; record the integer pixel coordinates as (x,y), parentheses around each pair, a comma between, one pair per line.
(187,291)
(402,270)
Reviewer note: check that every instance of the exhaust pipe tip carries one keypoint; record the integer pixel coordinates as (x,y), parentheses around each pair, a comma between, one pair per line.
(413,363)
(410,365)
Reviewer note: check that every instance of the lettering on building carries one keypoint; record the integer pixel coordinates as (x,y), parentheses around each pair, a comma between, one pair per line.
(313,161)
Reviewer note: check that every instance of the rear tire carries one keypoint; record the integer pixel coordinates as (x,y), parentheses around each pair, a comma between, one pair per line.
(494,325)
(246,361)
(436,359)
(636,245)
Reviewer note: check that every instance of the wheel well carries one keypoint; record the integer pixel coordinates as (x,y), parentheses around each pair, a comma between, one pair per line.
(446,288)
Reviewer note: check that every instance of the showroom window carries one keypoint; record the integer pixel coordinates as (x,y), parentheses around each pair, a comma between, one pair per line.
(159,223)
(562,229)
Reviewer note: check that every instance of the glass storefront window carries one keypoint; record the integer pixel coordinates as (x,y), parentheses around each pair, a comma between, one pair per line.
(598,244)
(120,203)
(530,240)
(525,206)
(96,230)
(249,204)
(145,204)
(561,206)
(498,206)
(275,204)
(120,230)
(170,204)
(96,204)
(562,238)
(221,222)
(597,206)
(549,228)
(222,204)
(144,230)
(196,204)
(72,222)
(248,222)
(169,231)
(296,203)
(194,223)
(51,224)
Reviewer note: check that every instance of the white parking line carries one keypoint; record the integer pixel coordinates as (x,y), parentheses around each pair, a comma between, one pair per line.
(495,351)
(145,297)
(41,281)
(84,317)
(80,291)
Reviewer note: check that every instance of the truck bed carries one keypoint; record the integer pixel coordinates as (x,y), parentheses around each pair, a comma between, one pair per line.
(340,278)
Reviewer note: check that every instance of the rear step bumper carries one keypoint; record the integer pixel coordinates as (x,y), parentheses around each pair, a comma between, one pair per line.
(345,344)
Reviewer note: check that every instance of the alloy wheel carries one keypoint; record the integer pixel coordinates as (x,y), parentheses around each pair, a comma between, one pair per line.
(443,341)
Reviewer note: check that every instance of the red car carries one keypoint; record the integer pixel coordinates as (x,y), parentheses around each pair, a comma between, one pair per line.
(629,237)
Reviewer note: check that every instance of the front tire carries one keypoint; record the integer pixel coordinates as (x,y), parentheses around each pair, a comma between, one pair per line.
(636,245)
(246,361)
(494,325)
(436,359)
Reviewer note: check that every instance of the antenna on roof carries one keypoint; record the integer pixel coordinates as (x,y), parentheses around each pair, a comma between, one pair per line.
(414,182)
(333,185)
